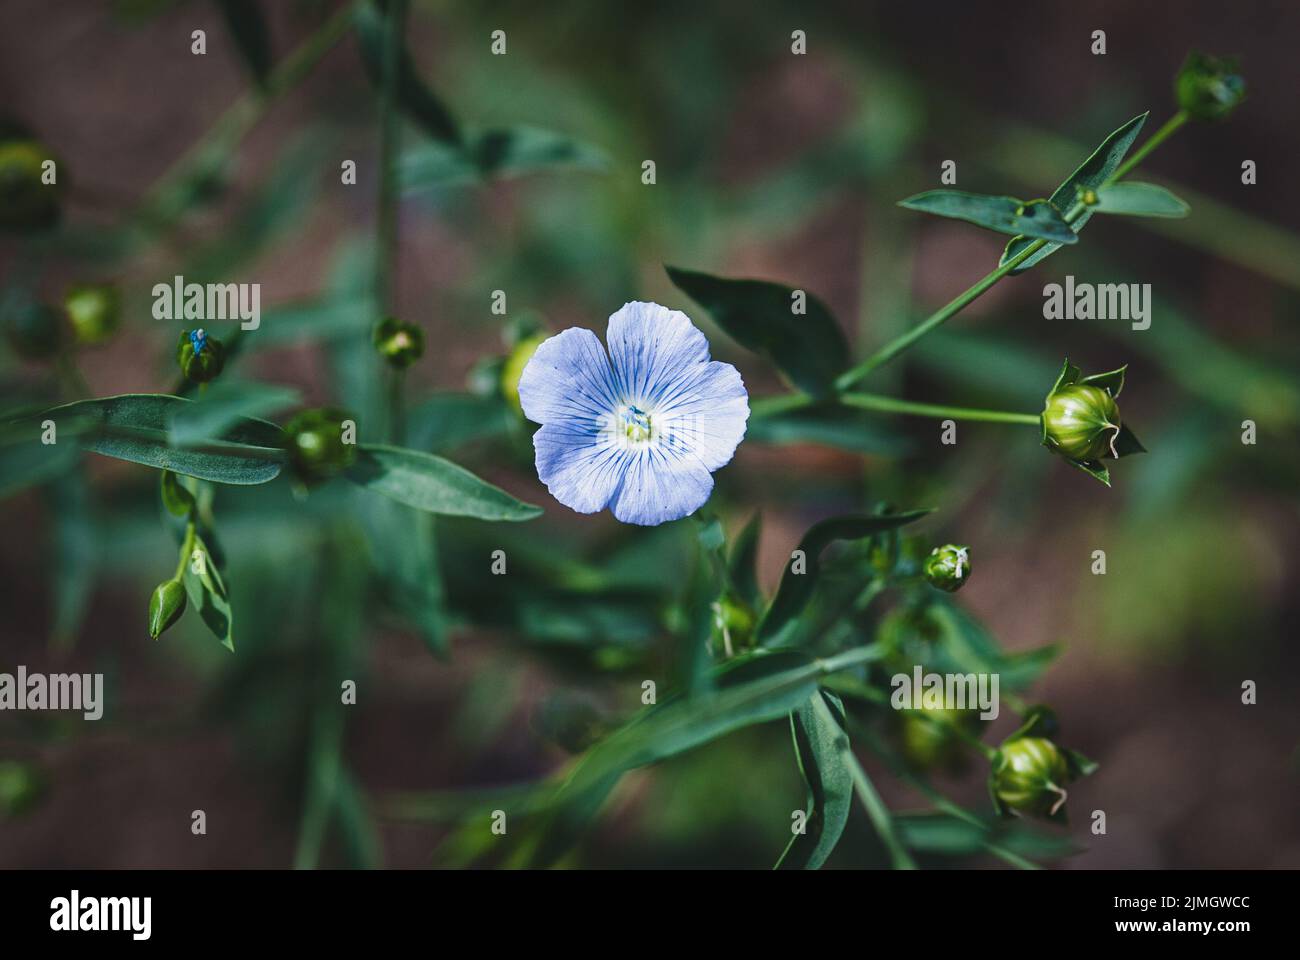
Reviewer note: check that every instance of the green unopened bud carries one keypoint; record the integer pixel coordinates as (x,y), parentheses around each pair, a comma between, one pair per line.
(21,787)
(513,368)
(1081,422)
(1209,88)
(733,626)
(1029,776)
(948,567)
(401,344)
(165,606)
(35,331)
(93,309)
(200,356)
(930,737)
(317,446)
(27,200)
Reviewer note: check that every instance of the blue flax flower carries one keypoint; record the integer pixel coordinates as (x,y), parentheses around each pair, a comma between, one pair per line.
(640,431)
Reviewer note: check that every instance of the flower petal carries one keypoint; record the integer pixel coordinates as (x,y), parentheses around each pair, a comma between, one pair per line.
(659,485)
(652,349)
(706,414)
(568,379)
(581,468)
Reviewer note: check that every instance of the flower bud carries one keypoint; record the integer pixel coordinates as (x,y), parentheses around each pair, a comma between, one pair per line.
(948,567)
(200,356)
(21,787)
(929,737)
(401,344)
(733,626)
(26,202)
(513,368)
(35,331)
(165,606)
(315,444)
(1029,775)
(93,309)
(1081,422)
(1209,88)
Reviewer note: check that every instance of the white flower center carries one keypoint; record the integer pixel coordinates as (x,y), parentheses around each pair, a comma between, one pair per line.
(634,424)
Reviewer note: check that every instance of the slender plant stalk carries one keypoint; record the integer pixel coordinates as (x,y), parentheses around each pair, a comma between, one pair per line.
(941,803)
(882,404)
(187,548)
(866,791)
(387,228)
(168,196)
(896,346)
(1160,136)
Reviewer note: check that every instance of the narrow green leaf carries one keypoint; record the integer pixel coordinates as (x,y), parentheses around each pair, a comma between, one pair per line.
(819,746)
(416,99)
(757,688)
(27,462)
(222,406)
(76,554)
(797,587)
(1090,175)
(1037,218)
(808,348)
(1139,200)
(742,564)
(136,427)
(496,153)
(248,29)
(207,593)
(445,421)
(428,482)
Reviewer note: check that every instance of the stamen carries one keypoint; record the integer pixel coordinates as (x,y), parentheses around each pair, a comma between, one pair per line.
(636,424)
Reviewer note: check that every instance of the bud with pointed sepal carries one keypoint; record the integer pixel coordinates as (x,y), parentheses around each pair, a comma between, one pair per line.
(948,567)
(1029,771)
(934,737)
(1209,88)
(733,625)
(1081,420)
(27,203)
(315,442)
(200,356)
(93,309)
(165,606)
(401,344)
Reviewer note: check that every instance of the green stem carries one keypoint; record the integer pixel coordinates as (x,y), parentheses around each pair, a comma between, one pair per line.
(71,377)
(1160,136)
(871,401)
(866,791)
(386,226)
(397,407)
(941,803)
(386,220)
(940,316)
(964,299)
(169,195)
(187,548)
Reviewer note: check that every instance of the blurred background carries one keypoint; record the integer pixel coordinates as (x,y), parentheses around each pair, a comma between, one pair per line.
(769,165)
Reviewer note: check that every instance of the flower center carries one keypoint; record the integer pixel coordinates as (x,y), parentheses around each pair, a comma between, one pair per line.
(635,424)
